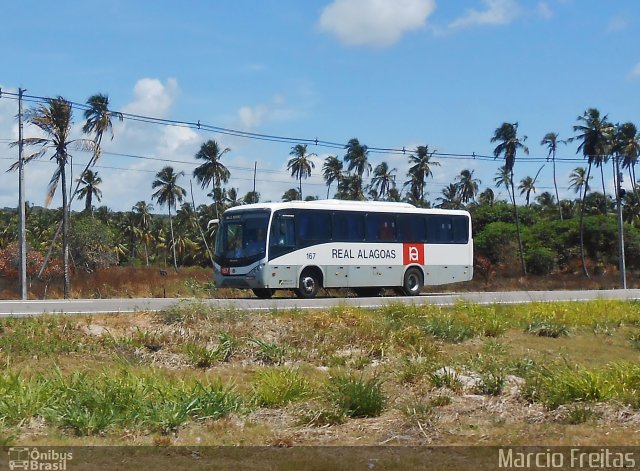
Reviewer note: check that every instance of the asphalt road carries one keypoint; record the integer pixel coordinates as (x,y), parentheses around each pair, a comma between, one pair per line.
(101,306)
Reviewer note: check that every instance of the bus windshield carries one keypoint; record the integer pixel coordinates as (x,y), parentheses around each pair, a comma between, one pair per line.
(241,237)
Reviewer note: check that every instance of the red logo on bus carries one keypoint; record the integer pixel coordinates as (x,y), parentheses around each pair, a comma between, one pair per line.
(413,253)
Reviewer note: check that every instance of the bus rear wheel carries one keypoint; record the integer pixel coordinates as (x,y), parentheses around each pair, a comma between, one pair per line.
(263,293)
(309,284)
(412,282)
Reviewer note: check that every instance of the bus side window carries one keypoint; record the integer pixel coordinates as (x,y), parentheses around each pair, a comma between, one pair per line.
(283,232)
(460,229)
(412,228)
(439,230)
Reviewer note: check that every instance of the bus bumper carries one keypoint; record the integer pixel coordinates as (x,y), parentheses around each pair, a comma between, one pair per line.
(253,279)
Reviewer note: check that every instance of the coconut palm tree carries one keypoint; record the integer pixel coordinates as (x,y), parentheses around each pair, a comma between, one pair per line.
(594,134)
(357,156)
(332,171)
(169,193)
(503,179)
(383,180)
(99,119)
(420,170)
(232,199)
(627,145)
(212,170)
(508,145)
(91,181)
(526,187)
(467,186)
(578,181)
(142,214)
(487,197)
(300,164)
(450,198)
(551,141)
(53,118)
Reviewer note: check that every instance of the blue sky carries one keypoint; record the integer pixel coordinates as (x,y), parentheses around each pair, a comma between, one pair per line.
(392,73)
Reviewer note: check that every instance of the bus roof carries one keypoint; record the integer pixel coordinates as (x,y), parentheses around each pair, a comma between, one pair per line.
(346,205)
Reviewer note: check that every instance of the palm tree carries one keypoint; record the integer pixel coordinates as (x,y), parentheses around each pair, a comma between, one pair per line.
(332,171)
(420,170)
(99,119)
(91,181)
(450,198)
(594,133)
(142,213)
(551,141)
(53,118)
(212,170)
(546,201)
(627,145)
(508,145)
(487,197)
(467,186)
(357,156)
(383,180)
(527,186)
(232,199)
(578,181)
(169,193)
(503,179)
(300,164)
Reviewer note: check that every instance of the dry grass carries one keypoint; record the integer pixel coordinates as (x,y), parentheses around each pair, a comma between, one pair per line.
(419,385)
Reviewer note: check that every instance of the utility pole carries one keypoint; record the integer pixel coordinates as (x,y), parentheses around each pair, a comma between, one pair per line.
(22,234)
(619,195)
(255,170)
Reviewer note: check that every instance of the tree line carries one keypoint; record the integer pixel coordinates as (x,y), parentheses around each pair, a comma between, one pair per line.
(140,236)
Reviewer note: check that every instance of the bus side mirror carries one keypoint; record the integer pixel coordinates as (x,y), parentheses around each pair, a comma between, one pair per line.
(213,222)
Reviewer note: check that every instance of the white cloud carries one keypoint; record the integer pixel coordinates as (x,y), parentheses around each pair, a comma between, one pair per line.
(252,117)
(617,23)
(635,72)
(374,22)
(152,97)
(544,10)
(497,12)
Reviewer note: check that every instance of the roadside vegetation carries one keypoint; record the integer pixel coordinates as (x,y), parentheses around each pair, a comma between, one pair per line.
(548,373)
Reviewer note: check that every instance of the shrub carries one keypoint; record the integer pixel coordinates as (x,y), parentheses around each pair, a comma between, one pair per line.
(547,329)
(540,260)
(357,396)
(279,387)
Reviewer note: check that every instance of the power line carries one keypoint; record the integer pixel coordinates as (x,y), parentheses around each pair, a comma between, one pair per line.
(197,125)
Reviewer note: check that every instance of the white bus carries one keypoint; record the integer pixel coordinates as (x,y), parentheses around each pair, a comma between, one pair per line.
(365,246)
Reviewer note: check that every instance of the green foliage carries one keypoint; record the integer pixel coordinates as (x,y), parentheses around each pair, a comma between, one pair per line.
(540,260)
(579,414)
(269,353)
(497,241)
(357,396)
(448,327)
(279,387)
(545,328)
(91,244)
(89,403)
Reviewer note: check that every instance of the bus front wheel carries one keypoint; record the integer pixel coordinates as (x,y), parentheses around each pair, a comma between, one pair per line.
(309,284)
(412,282)
(263,293)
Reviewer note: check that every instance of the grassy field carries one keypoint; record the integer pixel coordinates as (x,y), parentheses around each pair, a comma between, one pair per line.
(534,374)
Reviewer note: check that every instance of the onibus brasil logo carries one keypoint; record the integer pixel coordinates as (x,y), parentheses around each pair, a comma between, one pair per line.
(21,457)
